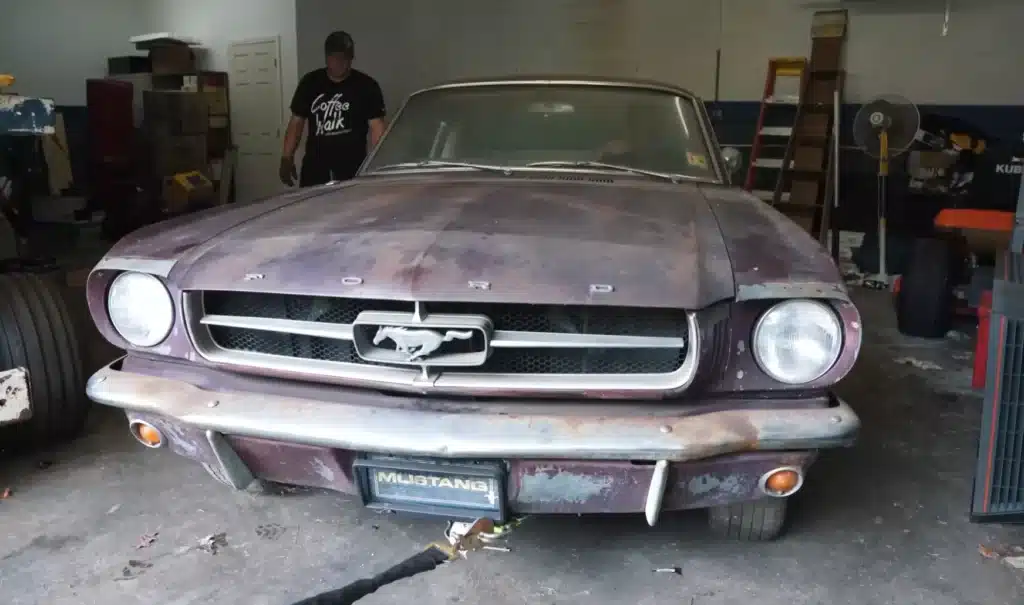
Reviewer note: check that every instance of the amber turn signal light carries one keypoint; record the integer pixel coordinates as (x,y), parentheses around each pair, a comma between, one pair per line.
(146,434)
(782,482)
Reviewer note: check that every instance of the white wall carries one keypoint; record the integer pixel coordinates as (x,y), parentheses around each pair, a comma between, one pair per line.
(52,46)
(217,23)
(406,45)
(894,46)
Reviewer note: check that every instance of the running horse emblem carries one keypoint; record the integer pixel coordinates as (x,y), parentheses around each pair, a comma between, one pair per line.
(418,343)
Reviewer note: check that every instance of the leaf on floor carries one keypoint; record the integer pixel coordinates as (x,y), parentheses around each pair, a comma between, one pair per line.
(147,539)
(214,542)
(1011,555)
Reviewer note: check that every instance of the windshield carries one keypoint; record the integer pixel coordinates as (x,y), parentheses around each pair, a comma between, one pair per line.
(515,126)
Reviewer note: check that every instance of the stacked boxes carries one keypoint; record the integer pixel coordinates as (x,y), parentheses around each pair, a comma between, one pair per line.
(177,124)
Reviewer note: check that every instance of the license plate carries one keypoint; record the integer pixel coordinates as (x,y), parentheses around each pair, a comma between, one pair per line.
(454,490)
(15,403)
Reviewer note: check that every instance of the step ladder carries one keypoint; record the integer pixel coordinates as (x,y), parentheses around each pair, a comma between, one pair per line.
(783,85)
(810,163)
(812,154)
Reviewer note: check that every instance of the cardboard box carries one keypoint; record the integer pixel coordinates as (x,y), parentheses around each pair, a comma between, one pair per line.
(172,59)
(176,154)
(174,113)
(925,165)
(187,189)
(217,100)
(129,64)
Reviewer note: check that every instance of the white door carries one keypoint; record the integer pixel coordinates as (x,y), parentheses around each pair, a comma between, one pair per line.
(255,88)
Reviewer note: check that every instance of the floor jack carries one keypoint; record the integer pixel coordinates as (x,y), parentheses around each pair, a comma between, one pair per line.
(460,539)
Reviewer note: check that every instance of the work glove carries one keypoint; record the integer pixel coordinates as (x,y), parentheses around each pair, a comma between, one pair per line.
(287,171)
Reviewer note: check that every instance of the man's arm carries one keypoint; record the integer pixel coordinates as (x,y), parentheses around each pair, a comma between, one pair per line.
(293,133)
(293,136)
(377,128)
(378,123)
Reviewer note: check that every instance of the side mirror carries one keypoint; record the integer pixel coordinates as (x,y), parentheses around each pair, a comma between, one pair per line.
(732,158)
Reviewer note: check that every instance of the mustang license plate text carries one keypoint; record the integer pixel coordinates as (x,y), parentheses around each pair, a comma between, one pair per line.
(442,488)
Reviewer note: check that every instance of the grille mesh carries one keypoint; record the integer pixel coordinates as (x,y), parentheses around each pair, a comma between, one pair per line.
(526,318)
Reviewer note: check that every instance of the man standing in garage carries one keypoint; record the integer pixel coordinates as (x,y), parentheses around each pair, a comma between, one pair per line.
(345,111)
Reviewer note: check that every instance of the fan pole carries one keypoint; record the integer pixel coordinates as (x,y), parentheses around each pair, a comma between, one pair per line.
(883,182)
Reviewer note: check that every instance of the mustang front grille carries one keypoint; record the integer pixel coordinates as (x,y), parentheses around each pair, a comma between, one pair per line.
(482,346)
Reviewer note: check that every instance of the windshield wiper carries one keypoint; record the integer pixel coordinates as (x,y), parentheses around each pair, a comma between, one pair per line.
(668,176)
(444,164)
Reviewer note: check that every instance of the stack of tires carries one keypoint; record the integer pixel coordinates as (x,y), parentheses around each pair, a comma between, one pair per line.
(925,301)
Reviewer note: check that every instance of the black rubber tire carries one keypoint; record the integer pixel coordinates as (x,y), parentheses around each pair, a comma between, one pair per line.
(36,333)
(758,521)
(924,305)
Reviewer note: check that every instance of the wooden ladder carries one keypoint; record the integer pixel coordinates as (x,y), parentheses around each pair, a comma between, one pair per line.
(775,125)
(808,167)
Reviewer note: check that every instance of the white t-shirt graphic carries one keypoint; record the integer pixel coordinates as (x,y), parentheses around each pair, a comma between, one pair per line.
(329,114)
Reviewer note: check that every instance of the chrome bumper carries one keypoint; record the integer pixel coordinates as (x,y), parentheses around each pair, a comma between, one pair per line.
(474,434)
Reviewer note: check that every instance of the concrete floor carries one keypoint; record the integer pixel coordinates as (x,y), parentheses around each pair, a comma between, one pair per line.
(885,522)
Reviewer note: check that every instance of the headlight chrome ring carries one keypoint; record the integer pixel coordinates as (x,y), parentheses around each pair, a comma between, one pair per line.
(771,356)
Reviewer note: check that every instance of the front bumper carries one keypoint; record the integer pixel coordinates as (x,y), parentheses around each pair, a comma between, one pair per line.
(608,462)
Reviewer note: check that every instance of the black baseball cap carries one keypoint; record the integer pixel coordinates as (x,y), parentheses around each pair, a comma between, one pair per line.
(341,43)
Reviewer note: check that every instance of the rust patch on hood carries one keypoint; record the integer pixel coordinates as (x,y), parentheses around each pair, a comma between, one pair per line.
(532,240)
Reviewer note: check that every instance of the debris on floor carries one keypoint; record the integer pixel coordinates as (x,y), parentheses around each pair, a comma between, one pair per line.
(958,336)
(147,539)
(134,569)
(214,542)
(270,531)
(1013,556)
(676,570)
(5,494)
(920,364)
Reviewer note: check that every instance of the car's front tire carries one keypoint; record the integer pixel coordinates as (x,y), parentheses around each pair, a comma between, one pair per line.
(757,521)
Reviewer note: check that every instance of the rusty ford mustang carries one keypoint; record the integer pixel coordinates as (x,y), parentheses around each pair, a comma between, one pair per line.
(537,296)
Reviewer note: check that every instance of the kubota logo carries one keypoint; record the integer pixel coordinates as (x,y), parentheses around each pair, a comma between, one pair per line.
(1015,166)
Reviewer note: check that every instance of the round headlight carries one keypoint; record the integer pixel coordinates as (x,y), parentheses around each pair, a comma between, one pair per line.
(140,309)
(797,341)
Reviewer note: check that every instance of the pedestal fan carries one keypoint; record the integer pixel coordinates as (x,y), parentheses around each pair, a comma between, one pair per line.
(883,129)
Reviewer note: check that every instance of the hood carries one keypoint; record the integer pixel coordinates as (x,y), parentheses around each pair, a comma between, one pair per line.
(772,257)
(169,240)
(450,237)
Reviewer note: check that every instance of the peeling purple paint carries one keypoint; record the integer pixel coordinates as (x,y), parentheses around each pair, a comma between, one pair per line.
(547,484)
(26,115)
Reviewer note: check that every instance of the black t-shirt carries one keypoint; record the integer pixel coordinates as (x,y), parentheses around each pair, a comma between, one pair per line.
(338,115)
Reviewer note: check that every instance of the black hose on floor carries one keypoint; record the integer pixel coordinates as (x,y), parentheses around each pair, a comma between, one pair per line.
(425,560)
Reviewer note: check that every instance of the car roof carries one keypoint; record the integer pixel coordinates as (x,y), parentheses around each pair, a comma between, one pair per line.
(556,79)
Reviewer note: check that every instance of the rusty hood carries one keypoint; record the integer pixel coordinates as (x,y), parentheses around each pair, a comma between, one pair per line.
(478,238)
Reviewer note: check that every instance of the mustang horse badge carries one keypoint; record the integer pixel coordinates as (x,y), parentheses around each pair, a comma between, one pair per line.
(418,343)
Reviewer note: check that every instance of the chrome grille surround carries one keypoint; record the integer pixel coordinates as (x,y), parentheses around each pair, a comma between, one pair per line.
(433,379)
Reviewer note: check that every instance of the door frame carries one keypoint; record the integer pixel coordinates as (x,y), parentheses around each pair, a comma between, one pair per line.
(278,90)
